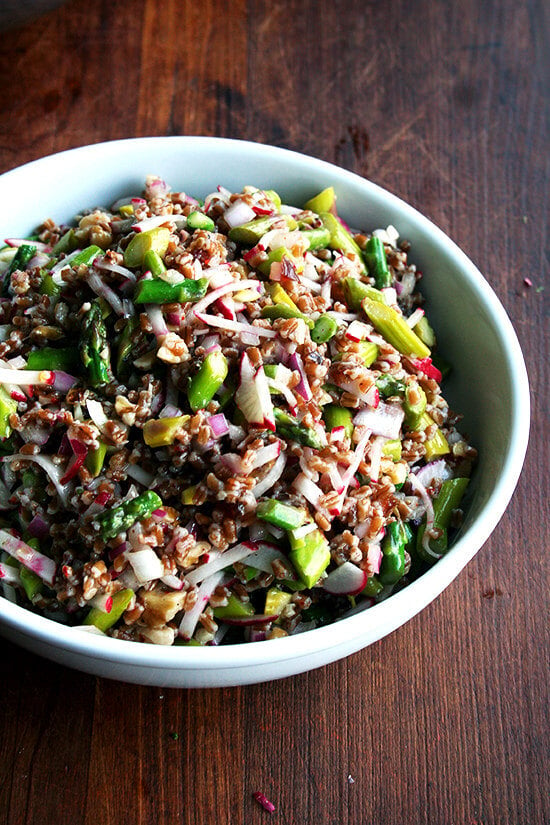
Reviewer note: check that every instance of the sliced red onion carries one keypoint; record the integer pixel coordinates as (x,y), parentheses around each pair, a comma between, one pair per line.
(46,463)
(433,473)
(385,420)
(271,477)
(370,397)
(238,213)
(9,574)
(253,397)
(244,621)
(346,580)
(146,564)
(40,259)
(172,582)
(80,451)
(56,270)
(100,288)
(114,552)
(265,454)
(218,424)
(236,433)
(140,475)
(169,411)
(219,292)
(154,313)
(191,617)
(97,413)
(158,220)
(30,558)
(358,457)
(38,527)
(303,388)
(228,557)
(313,286)
(357,331)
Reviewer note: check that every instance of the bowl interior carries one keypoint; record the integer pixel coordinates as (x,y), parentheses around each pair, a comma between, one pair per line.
(488,383)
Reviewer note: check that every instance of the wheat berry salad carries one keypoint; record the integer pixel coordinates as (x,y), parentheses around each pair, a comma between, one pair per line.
(220,421)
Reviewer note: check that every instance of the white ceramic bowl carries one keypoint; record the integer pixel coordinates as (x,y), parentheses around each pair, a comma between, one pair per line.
(489,385)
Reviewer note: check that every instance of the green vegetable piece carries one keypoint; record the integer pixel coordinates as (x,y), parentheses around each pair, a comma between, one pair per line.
(388,386)
(198,220)
(234,609)
(274,256)
(318,238)
(437,445)
(160,292)
(368,352)
(289,428)
(340,238)
(325,201)
(284,311)
(126,346)
(310,556)
(394,328)
(414,409)
(95,459)
(160,432)
(48,286)
(375,257)
(86,257)
(275,601)
(8,406)
(425,332)
(156,239)
(50,358)
(103,621)
(273,197)
(207,381)
(154,263)
(66,243)
(281,515)
(94,347)
(355,291)
(24,254)
(449,498)
(32,584)
(248,234)
(392,567)
(392,449)
(335,416)
(373,587)
(324,329)
(112,522)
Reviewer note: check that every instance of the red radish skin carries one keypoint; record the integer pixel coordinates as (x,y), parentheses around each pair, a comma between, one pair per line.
(346,580)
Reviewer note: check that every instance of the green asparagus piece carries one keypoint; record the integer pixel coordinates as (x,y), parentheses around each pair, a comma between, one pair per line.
(234,609)
(50,358)
(102,620)
(198,220)
(120,518)
(154,263)
(160,292)
(393,546)
(375,257)
(373,587)
(20,260)
(425,332)
(285,311)
(392,449)
(48,286)
(317,238)
(94,347)
(248,234)
(8,406)
(324,329)
(335,416)
(274,256)
(281,515)
(86,256)
(449,498)
(340,238)
(207,381)
(394,328)
(96,459)
(156,239)
(274,197)
(289,428)
(66,243)
(355,291)
(414,409)
(126,345)
(32,584)
(323,202)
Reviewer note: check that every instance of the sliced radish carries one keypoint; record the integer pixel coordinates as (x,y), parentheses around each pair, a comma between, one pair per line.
(238,213)
(357,331)
(191,617)
(228,557)
(271,477)
(30,558)
(234,326)
(385,420)
(346,580)
(253,397)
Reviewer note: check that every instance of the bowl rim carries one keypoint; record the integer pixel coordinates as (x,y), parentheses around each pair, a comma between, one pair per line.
(382,615)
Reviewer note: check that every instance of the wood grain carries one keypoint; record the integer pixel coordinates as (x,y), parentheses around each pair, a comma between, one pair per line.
(445,721)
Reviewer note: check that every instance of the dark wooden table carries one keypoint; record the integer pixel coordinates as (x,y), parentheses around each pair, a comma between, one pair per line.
(445,721)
